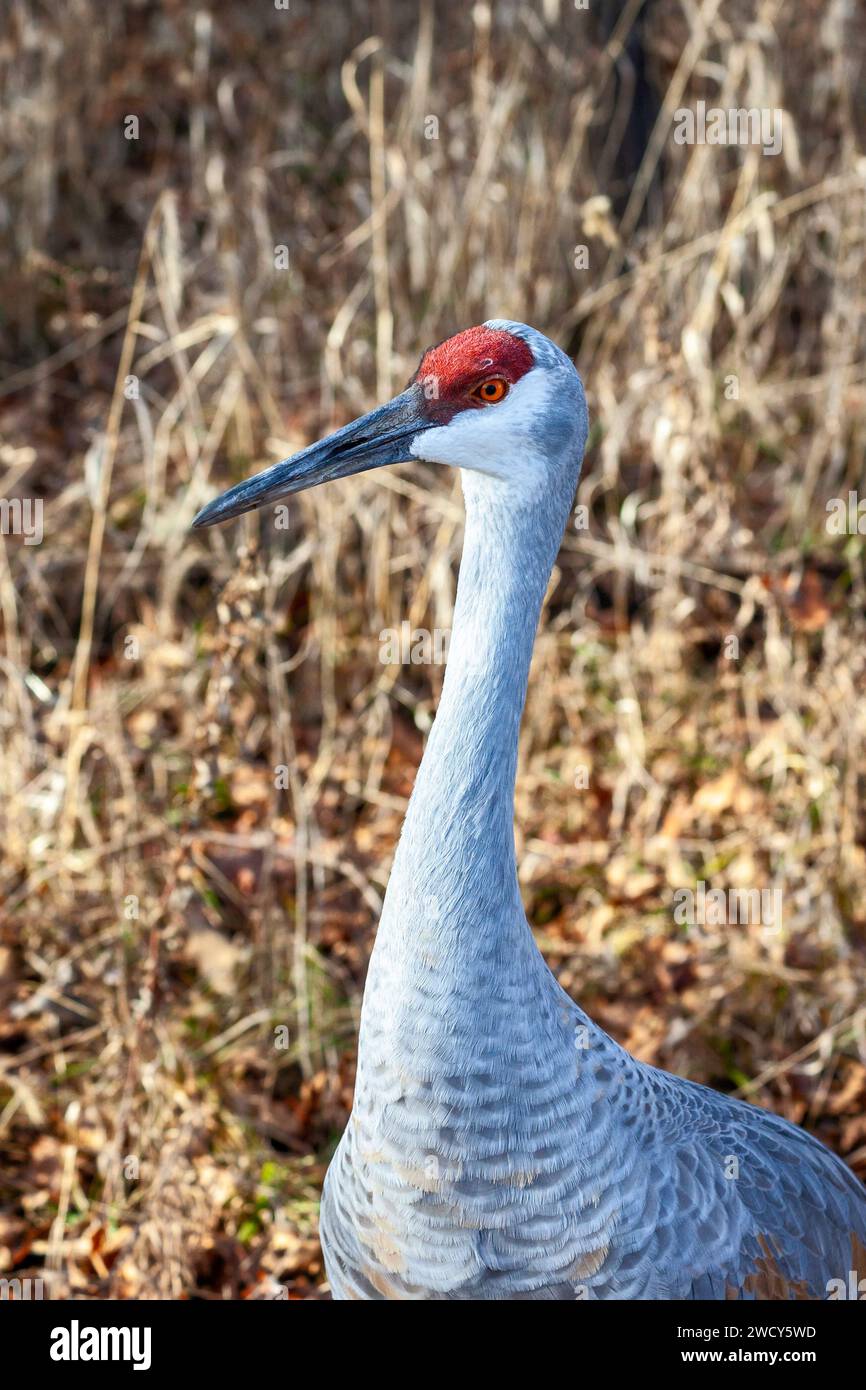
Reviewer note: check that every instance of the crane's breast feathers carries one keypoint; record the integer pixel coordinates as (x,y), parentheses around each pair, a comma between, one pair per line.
(633,1184)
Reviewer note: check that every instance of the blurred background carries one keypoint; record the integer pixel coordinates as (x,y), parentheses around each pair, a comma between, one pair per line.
(227,229)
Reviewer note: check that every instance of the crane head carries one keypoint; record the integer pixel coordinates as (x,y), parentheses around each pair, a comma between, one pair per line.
(499,399)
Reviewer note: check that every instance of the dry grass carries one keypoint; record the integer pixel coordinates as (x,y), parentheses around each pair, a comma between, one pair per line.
(166,910)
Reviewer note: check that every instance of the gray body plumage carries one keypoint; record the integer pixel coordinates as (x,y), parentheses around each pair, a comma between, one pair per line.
(501,1146)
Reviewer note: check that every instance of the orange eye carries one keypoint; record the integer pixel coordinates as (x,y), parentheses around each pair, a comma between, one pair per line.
(490,391)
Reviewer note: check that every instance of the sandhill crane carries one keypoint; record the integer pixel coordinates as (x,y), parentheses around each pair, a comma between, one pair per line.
(501,1145)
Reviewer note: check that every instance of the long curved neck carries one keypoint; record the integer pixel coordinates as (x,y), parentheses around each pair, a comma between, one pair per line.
(454,877)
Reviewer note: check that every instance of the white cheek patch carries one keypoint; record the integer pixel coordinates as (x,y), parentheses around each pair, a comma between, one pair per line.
(500,440)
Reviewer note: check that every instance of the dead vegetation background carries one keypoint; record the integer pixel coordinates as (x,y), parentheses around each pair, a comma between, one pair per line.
(183,944)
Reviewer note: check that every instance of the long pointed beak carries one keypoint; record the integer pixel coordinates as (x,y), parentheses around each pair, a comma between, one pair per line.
(384,436)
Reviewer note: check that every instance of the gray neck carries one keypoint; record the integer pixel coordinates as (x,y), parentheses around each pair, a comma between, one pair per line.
(454,880)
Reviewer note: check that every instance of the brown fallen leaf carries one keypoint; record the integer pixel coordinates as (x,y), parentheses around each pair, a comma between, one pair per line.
(803,599)
(729,792)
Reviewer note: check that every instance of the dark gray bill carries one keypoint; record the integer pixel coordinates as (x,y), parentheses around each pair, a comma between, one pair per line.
(381,437)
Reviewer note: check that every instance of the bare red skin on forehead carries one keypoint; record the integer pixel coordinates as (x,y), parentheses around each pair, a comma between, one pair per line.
(449,371)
